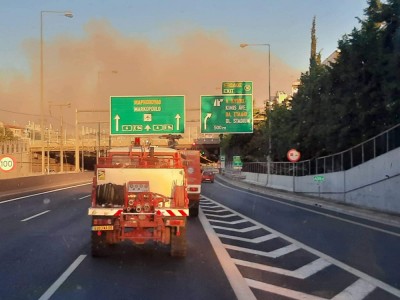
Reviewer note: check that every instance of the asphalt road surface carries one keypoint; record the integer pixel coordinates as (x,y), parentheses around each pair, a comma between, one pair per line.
(45,252)
(243,245)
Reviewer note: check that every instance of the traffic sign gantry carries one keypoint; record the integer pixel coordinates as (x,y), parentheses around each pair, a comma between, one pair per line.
(147,114)
(237,87)
(226,114)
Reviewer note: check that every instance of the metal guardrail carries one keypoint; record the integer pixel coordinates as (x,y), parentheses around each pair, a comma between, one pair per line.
(13,147)
(354,156)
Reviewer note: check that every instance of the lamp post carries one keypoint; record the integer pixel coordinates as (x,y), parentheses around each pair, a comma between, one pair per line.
(269,99)
(66,14)
(61,106)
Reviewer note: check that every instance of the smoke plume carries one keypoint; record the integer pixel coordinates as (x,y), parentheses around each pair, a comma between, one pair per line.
(86,72)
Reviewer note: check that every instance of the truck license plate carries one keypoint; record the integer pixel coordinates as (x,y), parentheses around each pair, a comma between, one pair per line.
(104,227)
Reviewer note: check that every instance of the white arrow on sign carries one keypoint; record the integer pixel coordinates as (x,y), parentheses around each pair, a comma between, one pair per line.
(116,118)
(205,120)
(177,117)
(147,128)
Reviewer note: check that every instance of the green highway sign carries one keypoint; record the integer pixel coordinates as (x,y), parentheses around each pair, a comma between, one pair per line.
(319,178)
(147,115)
(237,161)
(226,114)
(237,87)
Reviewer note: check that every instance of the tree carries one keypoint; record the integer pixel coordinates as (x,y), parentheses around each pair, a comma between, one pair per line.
(6,134)
(343,104)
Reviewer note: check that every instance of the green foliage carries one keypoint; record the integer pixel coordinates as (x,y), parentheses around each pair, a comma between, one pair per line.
(6,134)
(342,104)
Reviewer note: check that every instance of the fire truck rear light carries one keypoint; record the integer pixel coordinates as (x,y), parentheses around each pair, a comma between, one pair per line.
(102,221)
(193,189)
(175,222)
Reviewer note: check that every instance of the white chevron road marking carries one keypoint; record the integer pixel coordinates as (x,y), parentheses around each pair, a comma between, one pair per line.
(301,273)
(256,240)
(228,222)
(281,291)
(272,254)
(247,229)
(357,291)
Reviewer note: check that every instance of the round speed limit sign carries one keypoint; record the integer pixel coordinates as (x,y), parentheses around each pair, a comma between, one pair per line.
(7,163)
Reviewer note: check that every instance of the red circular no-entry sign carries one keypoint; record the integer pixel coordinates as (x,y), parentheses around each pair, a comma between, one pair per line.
(293,155)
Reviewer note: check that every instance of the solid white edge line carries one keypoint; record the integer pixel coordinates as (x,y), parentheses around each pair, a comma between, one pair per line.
(53,288)
(43,193)
(238,283)
(386,287)
(34,216)
(321,213)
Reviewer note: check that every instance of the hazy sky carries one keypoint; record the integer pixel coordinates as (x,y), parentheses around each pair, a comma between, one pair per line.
(156,45)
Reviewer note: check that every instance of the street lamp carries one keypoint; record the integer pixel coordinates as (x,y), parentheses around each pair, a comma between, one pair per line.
(66,14)
(61,106)
(269,98)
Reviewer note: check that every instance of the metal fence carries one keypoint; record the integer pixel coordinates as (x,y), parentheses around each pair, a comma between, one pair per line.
(370,149)
(13,147)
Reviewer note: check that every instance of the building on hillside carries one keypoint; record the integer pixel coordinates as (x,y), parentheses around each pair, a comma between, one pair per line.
(280,97)
(331,58)
(295,87)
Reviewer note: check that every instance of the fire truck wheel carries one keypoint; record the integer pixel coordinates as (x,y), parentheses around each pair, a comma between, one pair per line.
(99,244)
(178,243)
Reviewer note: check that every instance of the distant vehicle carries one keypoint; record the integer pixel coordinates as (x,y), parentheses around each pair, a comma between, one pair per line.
(207,176)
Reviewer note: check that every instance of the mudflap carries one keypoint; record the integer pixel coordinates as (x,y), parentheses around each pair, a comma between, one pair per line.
(99,245)
(178,242)
(194,208)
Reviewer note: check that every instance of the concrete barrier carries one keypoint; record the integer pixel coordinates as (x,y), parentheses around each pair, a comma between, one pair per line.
(16,186)
(373,184)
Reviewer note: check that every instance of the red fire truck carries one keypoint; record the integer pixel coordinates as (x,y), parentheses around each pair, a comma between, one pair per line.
(193,173)
(139,194)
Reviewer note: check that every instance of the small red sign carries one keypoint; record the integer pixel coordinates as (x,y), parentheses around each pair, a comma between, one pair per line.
(293,155)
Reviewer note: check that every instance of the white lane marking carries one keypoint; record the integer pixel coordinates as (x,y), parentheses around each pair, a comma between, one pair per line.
(247,229)
(220,216)
(238,284)
(205,210)
(53,288)
(272,254)
(207,206)
(43,193)
(228,222)
(357,291)
(301,273)
(388,288)
(319,213)
(34,216)
(256,240)
(87,196)
(281,291)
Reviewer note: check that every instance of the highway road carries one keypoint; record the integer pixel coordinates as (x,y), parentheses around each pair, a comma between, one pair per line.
(45,253)
(243,245)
